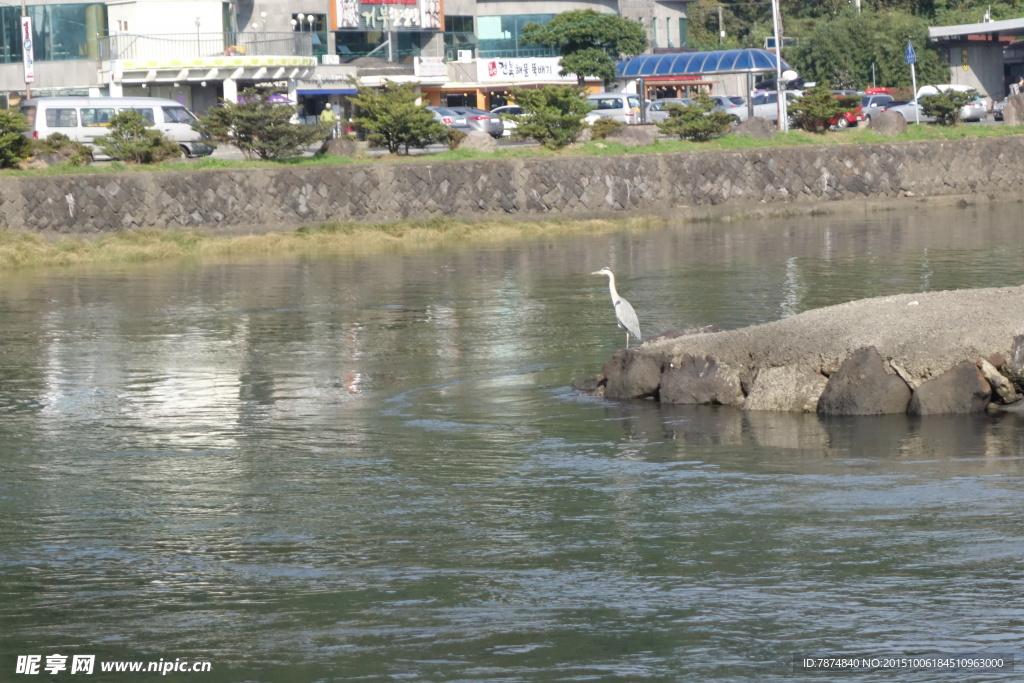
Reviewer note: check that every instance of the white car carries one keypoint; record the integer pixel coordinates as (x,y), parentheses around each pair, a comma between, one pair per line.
(510,125)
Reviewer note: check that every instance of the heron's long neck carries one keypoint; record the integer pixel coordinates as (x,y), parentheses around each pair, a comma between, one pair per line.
(611,288)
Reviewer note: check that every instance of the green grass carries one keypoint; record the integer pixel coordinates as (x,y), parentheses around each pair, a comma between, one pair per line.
(859,135)
(22,250)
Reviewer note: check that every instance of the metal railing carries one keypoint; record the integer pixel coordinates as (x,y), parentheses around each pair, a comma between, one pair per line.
(188,46)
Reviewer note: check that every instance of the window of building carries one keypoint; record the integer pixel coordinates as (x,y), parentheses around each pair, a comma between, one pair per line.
(498,36)
(408,44)
(59,32)
(458,36)
(682,32)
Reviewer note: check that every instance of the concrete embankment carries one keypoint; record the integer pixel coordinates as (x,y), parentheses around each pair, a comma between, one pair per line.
(954,351)
(682,185)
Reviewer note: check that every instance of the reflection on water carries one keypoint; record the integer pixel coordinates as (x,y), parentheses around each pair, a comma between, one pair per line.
(372,468)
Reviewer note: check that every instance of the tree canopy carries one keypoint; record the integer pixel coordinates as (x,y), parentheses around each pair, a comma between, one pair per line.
(590,42)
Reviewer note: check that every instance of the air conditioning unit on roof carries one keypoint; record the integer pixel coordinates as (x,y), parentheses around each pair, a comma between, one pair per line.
(330,59)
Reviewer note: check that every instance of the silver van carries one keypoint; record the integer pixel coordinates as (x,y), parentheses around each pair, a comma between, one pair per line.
(621,106)
(86,118)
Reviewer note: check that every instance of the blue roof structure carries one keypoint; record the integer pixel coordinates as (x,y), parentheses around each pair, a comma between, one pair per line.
(694,63)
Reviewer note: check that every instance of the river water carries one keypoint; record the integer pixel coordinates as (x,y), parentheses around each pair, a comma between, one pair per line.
(373,468)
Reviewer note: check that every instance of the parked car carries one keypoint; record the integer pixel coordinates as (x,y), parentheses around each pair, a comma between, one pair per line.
(483,121)
(876,102)
(847,118)
(510,125)
(450,118)
(620,106)
(997,109)
(656,110)
(731,104)
(911,110)
(766,105)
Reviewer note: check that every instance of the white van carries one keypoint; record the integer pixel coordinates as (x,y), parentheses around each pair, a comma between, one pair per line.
(621,106)
(86,118)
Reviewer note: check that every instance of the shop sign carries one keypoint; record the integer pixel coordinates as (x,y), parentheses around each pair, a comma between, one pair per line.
(387,15)
(27,51)
(514,69)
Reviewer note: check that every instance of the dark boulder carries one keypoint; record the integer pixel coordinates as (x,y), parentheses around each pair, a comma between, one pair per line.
(756,128)
(961,389)
(634,136)
(702,381)
(632,375)
(861,386)
(888,123)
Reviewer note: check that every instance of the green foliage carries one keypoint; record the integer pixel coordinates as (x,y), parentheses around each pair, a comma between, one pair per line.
(698,122)
(14,147)
(455,137)
(945,106)
(260,128)
(391,118)
(604,127)
(131,139)
(552,115)
(843,48)
(591,43)
(818,106)
(75,153)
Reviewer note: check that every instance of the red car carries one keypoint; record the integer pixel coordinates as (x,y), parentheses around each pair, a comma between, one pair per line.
(847,118)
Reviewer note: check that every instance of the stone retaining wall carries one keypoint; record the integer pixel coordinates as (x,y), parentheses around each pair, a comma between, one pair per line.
(285,198)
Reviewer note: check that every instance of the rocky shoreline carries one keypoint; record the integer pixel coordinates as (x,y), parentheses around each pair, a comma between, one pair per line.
(957,351)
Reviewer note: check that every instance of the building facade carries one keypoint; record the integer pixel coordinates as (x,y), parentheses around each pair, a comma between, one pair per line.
(459,52)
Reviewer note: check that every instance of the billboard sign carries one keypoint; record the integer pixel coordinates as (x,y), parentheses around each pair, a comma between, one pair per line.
(387,15)
(513,69)
(27,50)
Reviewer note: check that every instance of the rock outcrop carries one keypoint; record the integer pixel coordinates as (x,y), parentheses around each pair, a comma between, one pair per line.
(924,354)
(888,123)
(861,386)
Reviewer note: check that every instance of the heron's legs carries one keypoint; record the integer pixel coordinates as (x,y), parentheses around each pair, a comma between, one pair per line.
(627,340)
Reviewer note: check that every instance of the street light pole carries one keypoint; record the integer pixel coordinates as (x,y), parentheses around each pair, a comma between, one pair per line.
(782,123)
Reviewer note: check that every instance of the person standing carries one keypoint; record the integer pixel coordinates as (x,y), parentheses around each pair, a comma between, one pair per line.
(327,118)
(1015,87)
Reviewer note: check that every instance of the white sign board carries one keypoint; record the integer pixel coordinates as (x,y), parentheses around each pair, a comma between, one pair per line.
(27,49)
(515,69)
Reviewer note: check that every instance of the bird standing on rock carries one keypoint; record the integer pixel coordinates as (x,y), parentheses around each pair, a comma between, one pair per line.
(625,316)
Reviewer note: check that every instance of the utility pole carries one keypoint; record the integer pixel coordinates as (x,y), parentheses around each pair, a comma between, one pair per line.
(721,32)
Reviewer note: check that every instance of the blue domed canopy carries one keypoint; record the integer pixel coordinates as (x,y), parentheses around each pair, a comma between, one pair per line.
(694,63)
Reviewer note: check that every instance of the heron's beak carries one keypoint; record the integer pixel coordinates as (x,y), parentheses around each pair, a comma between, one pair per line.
(597,272)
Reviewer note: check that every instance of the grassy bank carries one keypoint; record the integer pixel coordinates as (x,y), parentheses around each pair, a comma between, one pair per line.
(20,250)
(860,135)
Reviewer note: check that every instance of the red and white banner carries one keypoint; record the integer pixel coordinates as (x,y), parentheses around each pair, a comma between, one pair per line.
(27,49)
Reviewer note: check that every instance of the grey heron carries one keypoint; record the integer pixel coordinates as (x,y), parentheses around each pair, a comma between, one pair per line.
(625,316)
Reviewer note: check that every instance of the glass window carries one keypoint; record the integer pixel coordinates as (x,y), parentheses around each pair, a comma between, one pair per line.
(499,36)
(178,115)
(30,115)
(146,113)
(97,116)
(61,118)
(59,32)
